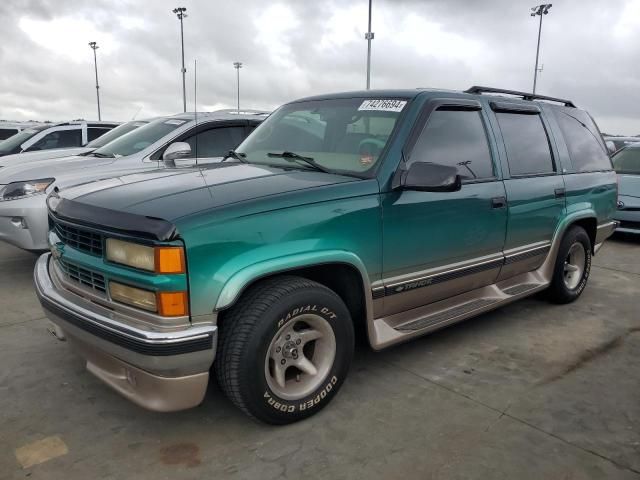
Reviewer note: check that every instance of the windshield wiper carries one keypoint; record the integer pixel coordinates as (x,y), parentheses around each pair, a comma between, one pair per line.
(103,155)
(236,155)
(292,157)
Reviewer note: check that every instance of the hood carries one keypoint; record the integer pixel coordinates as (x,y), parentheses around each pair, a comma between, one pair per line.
(629,185)
(67,170)
(28,157)
(173,193)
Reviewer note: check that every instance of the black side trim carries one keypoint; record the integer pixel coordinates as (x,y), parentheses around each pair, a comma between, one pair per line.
(139,346)
(442,277)
(128,223)
(525,255)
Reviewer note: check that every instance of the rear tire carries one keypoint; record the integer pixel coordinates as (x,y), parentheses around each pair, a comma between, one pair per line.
(572,267)
(284,349)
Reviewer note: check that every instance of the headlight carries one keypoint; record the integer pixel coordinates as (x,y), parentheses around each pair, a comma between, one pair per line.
(151,259)
(17,190)
(167,304)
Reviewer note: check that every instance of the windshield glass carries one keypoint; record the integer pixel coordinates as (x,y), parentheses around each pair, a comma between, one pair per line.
(14,142)
(111,135)
(627,161)
(341,135)
(140,138)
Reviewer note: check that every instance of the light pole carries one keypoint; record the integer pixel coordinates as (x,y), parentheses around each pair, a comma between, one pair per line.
(180,13)
(539,10)
(94,47)
(368,37)
(238,66)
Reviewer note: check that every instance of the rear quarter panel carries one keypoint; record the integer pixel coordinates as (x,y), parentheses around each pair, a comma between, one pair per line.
(594,193)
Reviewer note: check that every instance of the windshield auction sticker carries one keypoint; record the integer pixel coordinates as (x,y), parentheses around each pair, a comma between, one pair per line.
(383,105)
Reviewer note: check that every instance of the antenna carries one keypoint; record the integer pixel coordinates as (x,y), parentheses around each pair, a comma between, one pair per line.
(195,102)
(136,114)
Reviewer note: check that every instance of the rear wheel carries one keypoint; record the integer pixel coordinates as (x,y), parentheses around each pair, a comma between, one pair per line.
(572,268)
(284,349)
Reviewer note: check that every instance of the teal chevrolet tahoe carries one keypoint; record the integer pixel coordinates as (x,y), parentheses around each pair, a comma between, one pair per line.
(391,213)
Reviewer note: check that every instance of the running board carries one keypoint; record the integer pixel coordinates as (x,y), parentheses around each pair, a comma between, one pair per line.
(446,315)
(412,323)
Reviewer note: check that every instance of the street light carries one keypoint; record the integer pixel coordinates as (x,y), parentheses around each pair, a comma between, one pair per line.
(180,13)
(539,10)
(368,37)
(238,66)
(94,47)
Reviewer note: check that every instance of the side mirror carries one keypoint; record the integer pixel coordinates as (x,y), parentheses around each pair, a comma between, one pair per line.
(431,177)
(611,147)
(174,151)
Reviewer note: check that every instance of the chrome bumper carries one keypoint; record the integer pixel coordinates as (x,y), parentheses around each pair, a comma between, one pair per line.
(159,370)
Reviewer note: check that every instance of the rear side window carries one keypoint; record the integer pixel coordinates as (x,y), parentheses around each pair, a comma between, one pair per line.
(216,142)
(527,144)
(455,138)
(7,132)
(93,132)
(586,149)
(627,161)
(59,139)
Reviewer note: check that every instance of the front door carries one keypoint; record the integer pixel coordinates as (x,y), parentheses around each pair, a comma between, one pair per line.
(439,244)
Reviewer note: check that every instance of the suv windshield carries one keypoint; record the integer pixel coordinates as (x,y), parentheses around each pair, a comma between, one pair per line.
(342,135)
(111,135)
(627,161)
(12,144)
(139,139)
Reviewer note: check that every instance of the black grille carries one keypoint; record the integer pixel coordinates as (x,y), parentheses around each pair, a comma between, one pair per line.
(83,276)
(630,225)
(79,239)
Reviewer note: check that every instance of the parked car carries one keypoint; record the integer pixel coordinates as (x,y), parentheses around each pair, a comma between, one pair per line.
(401,211)
(23,211)
(9,129)
(50,136)
(620,142)
(102,140)
(627,164)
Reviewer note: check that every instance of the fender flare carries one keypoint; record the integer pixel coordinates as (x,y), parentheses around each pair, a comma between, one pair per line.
(239,281)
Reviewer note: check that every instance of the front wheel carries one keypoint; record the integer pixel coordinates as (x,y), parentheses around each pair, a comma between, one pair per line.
(572,268)
(284,349)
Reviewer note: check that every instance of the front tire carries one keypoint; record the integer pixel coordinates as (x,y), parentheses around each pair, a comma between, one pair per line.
(284,349)
(572,268)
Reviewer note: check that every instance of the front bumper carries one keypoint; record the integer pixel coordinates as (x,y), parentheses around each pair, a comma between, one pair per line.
(629,221)
(159,370)
(24,222)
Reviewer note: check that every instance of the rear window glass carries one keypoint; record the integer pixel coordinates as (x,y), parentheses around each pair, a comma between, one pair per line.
(527,144)
(7,132)
(586,148)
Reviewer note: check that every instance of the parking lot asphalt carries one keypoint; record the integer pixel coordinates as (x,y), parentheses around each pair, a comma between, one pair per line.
(530,391)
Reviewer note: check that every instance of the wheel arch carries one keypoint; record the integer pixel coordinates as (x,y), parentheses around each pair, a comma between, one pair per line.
(342,272)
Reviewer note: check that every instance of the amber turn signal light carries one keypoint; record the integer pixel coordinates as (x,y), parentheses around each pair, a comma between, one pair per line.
(169,260)
(173,304)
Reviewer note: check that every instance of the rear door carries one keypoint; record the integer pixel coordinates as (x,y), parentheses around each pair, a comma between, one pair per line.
(533,182)
(439,244)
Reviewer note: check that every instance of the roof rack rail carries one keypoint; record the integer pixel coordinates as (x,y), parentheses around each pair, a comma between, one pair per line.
(524,95)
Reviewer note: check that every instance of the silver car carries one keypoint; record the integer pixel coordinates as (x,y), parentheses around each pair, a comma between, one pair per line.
(627,164)
(101,141)
(181,140)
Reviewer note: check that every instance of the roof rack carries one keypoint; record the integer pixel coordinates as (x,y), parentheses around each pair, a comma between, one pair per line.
(524,95)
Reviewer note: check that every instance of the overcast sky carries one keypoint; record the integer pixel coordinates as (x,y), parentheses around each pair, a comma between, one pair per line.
(294,48)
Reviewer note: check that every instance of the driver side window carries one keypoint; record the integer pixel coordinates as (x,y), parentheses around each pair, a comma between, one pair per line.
(455,138)
(59,139)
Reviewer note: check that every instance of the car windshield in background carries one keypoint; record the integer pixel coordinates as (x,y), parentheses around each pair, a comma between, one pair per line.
(119,131)
(11,143)
(140,138)
(627,161)
(340,135)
